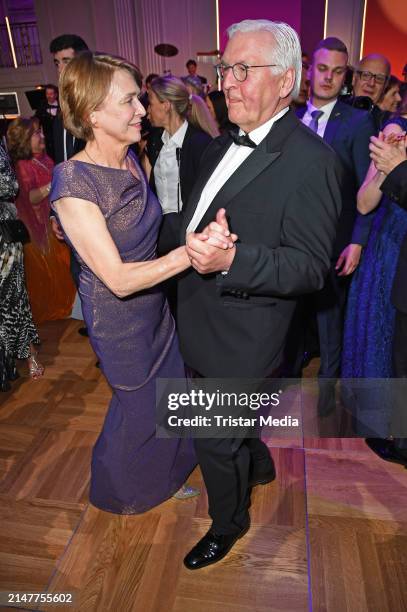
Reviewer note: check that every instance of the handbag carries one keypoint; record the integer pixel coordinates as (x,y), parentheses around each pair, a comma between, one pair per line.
(14,230)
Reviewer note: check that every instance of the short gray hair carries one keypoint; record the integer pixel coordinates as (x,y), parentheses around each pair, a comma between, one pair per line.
(286,53)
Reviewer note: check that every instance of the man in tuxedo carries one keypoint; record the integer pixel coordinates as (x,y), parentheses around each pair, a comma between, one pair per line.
(63,49)
(347,130)
(391,160)
(274,186)
(46,113)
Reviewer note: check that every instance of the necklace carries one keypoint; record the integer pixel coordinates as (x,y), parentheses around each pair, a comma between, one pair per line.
(96,163)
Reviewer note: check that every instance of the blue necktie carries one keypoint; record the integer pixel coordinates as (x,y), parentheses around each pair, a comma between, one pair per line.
(316,115)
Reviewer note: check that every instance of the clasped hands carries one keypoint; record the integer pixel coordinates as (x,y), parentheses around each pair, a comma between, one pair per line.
(389,151)
(213,249)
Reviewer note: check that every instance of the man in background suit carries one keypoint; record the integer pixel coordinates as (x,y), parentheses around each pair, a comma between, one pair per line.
(347,130)
(191,66)
(63,49)
(391,159)
(277,183)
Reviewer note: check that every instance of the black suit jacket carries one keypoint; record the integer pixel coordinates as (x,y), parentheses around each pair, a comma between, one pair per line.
(348,132)
(395,187)
(284,204)
(194,144)
(58,134)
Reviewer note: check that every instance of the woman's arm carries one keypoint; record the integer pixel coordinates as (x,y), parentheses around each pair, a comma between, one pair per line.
(26,180)
(86,228)
(369,194)
(37,195)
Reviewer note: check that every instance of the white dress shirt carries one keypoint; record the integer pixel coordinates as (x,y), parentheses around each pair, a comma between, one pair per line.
(323,120)
(166,171)
(233,158)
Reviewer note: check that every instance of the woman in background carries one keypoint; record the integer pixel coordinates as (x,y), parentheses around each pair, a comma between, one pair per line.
(370,315)
(174,152)
(216,103)
(18,334)
(49,282)
(391,97)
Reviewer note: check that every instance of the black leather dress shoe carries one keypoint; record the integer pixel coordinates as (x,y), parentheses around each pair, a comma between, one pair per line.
(211,549)
(386,450)
(83,331)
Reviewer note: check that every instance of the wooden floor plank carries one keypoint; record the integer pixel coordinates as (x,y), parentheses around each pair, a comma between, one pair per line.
(334,490)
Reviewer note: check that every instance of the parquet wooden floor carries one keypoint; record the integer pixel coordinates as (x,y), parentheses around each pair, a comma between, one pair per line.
(330,534)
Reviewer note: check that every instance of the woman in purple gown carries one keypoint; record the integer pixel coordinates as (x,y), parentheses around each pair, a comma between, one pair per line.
(111,220)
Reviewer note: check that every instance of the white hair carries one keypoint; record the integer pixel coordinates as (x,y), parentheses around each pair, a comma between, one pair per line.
(287,50)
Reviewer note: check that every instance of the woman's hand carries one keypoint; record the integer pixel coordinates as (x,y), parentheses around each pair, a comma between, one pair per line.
(388,152)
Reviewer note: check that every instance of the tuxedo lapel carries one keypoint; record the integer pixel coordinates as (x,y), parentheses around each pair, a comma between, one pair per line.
(258,161)
(333,124)
(211,160)
(262,157)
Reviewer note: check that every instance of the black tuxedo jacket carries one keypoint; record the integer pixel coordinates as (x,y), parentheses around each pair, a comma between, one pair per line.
(395,187)
(284,204)
(348,132)
(58,134)
(194,144)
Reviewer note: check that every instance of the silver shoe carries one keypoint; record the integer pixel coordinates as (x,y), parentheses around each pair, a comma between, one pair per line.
(186,491)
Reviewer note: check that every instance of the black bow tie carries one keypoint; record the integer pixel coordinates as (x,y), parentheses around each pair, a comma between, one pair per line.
(244,141)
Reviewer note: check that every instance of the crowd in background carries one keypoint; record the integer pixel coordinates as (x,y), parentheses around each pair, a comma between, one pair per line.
(349,324)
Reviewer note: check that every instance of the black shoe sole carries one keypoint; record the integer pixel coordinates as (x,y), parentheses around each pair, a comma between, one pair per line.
(223,555)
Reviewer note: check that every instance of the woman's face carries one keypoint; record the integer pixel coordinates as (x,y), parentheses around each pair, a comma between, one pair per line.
(391,99)
(157,110)
(119,117)
(37,140)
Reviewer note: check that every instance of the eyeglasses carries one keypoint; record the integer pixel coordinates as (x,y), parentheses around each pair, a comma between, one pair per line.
(239,70)
(365,75)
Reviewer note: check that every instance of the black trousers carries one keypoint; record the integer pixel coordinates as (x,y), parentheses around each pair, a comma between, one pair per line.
(328,307)
(400,371)
(225,466)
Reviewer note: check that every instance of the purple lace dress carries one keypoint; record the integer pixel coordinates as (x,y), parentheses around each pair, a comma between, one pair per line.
(135,340)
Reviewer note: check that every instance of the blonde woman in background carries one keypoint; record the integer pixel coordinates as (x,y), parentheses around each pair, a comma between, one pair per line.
(174,152)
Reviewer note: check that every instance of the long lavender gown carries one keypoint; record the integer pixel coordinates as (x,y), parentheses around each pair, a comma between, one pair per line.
(135,340)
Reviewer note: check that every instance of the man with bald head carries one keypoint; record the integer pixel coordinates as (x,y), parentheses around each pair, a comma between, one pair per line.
(371,76)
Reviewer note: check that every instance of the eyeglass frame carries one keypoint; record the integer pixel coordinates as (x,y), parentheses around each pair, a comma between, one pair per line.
(220,66)
(379,74)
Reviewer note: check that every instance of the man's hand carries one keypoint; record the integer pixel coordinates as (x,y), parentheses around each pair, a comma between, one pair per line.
(349,259)
(388,153)
(206,258)
(217,232)
(56,228)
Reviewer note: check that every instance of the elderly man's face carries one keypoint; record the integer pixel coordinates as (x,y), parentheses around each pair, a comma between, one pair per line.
(370,78)
(254,101)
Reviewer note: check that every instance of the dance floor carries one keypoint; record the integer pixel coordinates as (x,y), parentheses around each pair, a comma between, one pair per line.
(330,534)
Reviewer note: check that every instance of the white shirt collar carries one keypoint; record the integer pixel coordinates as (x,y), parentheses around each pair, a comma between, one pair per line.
(177,138)
(261,132)
(326,109)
